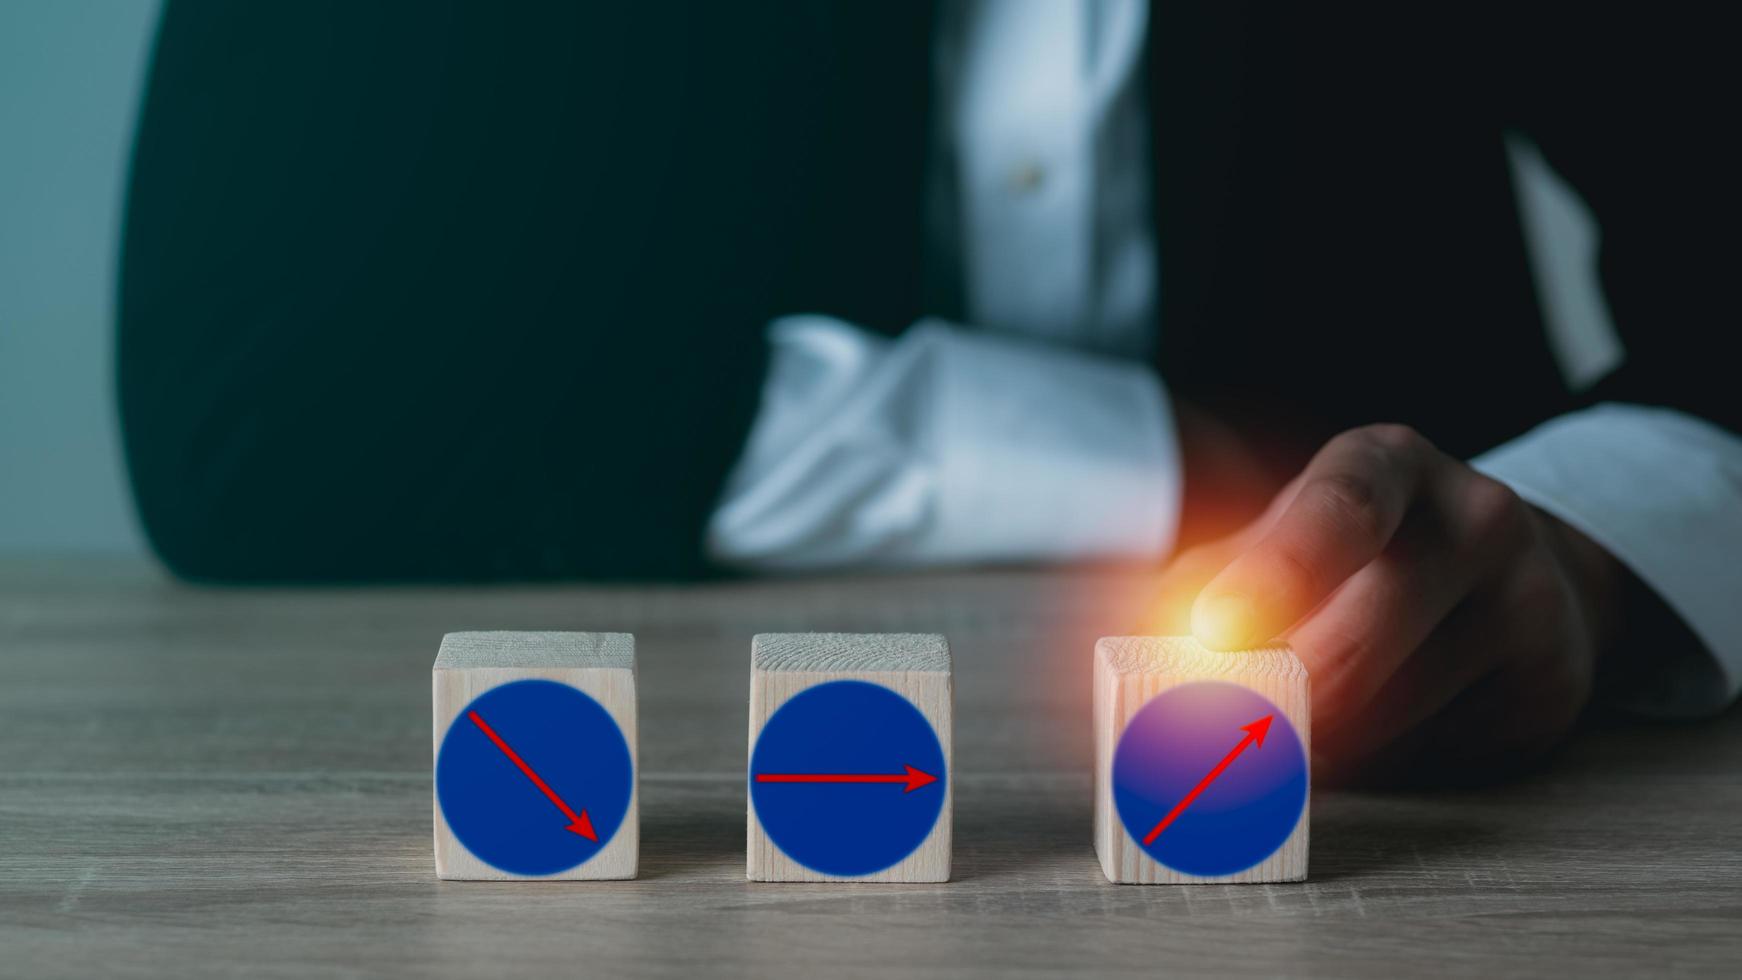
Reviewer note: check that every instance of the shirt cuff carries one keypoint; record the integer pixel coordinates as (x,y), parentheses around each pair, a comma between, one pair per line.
(947,446)
(1662,492)
(1047,453)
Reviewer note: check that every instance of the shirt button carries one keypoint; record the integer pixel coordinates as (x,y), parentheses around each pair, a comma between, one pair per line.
(1026,178)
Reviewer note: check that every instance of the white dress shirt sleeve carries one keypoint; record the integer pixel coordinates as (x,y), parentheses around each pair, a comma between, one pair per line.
(1662,492)
(947,446)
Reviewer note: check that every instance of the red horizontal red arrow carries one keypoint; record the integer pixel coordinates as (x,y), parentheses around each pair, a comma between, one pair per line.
(914,778)
(577,824)
(1254,736)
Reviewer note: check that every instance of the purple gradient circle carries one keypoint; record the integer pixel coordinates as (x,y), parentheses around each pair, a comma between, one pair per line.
(1245,814)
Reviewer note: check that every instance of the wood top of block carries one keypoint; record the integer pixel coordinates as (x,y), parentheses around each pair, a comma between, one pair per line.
(509,648)
(844,652)
(1185,655)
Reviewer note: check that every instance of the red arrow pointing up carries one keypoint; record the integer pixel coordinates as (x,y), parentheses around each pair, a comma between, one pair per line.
(1255,733)
(914,778)
(577,824)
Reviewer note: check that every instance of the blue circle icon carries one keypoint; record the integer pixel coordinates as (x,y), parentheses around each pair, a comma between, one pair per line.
(847,778)
(534,777)
(1210,778)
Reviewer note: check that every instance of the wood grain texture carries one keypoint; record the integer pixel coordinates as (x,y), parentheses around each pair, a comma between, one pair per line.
(913,665)
(536,648)
(224,782)
(600,665)
(1129,672)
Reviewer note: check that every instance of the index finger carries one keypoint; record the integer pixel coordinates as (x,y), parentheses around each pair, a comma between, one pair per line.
(1352,498)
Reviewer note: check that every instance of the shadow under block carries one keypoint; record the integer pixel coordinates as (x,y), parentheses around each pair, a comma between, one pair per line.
(600,665)
(1130,671)
(914,665)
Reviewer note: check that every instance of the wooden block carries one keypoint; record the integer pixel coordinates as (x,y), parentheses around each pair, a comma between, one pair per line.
(850,775)
(1213,715)
(535,756)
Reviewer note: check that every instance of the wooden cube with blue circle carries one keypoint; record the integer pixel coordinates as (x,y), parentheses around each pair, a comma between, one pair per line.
(849,776)
(535,756)
(1202,762)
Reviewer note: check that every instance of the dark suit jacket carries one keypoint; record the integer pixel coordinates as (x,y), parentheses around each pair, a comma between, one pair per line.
(473,290)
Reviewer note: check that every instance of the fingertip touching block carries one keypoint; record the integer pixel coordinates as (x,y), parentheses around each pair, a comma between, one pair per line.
(535,756)
(849,776)
(1202,762)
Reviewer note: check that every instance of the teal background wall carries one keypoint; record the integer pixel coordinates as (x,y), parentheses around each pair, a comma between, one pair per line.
(69,90)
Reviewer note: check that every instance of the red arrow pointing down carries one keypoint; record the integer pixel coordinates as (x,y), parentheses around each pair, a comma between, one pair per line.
(914,778)
(577,824)
(1255,733)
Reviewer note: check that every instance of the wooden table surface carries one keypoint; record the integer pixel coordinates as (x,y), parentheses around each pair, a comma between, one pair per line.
(199,781)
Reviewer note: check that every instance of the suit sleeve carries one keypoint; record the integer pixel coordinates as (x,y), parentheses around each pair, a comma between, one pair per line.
(465,291)
(1628,110)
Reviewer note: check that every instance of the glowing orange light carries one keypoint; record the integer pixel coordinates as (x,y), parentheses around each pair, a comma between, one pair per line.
(1224,621)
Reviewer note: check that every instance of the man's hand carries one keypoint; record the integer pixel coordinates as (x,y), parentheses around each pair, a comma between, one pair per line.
(1451,630)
